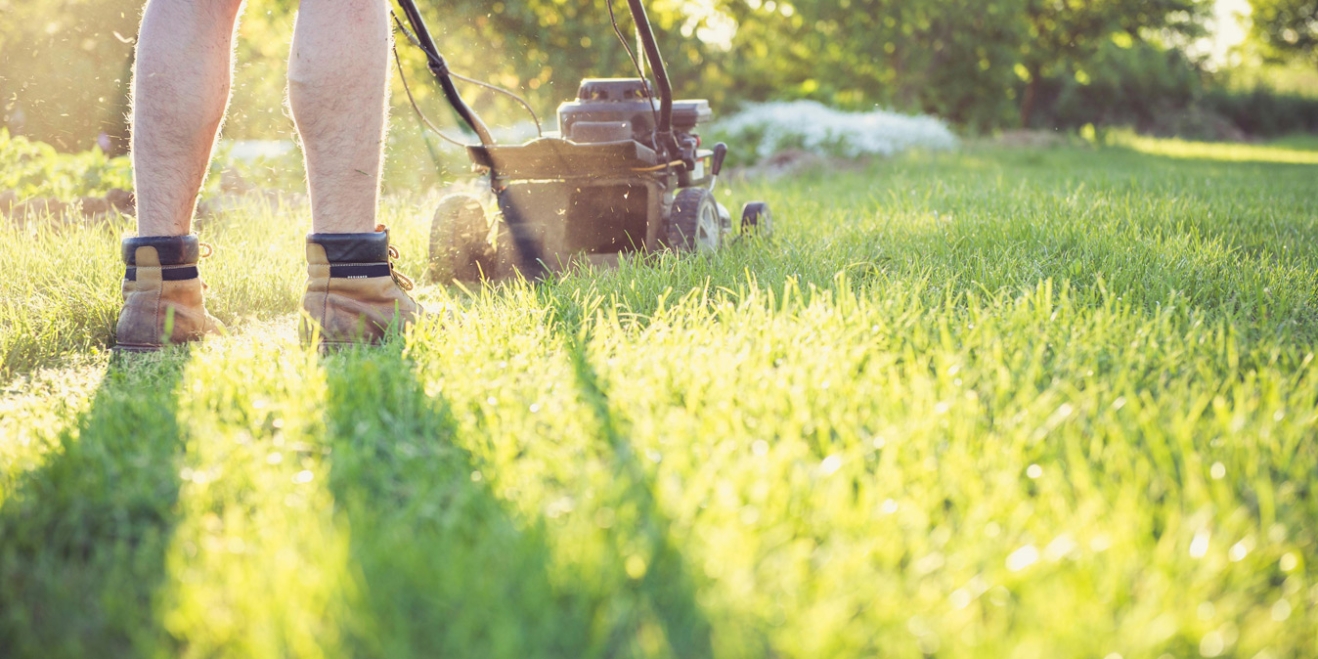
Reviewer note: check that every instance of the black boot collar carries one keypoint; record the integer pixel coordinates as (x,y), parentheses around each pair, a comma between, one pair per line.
(172,250)
(353,247)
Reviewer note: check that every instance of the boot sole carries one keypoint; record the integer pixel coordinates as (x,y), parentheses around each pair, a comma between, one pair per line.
(141,348)
(332,347)
(135,349)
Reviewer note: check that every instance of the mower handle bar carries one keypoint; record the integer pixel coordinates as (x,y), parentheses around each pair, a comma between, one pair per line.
(665,127)
(435,62)
(440,69)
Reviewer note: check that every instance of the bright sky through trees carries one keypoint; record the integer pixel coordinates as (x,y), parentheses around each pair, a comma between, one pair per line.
(1228,29)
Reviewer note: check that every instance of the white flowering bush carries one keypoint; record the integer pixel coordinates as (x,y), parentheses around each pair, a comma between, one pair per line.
(763,130)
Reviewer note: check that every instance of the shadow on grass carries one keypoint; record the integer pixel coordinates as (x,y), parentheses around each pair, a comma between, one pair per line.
(444,568)
(83,537)
(663,584)
(662,588)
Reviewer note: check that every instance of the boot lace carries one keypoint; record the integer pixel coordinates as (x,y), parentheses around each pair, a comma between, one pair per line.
(399,278)
(403,281)
(207,250)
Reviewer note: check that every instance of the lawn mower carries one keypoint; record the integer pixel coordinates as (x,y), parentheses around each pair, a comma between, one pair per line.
(625,173)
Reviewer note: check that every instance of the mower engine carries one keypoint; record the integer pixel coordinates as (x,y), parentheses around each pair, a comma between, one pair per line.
(615,109)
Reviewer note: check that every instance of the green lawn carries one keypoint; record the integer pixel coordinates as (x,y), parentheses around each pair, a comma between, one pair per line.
(1005,403)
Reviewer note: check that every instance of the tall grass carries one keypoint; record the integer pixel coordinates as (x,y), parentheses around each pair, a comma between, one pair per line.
(1026,403)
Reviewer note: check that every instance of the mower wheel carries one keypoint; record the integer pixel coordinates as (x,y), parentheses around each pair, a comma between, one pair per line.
(756,220)
(694,224)
(725,223)
(460,241)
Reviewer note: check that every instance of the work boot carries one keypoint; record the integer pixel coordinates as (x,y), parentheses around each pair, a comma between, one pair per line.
(162,294)
(353,292)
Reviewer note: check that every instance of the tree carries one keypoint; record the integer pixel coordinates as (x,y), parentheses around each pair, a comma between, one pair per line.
(952,58)
(981,64)
(1063,36)
(1287,27)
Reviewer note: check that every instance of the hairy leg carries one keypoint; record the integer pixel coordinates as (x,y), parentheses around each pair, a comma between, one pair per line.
(180,88)
(337,83)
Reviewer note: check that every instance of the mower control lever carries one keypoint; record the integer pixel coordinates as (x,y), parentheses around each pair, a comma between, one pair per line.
(716,163)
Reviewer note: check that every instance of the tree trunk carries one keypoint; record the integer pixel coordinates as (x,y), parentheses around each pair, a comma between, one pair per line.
(1030,98)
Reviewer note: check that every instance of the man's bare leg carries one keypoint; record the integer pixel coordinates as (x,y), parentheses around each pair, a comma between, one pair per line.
(180,89)
(181,82)
(337,78)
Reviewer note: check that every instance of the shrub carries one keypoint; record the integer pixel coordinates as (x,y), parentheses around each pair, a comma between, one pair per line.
(765,129)
(1265,113)
(35,169)
(1136,86)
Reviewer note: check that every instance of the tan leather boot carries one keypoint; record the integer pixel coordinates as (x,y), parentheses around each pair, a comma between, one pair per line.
(354,295)
(162,294)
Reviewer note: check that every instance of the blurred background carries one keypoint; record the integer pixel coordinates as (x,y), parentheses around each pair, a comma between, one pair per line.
(1199,69)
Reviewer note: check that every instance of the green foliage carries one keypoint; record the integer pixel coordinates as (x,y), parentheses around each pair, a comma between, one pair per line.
(1070,39)
(34,169)
(1133,84)
(914,55)
(1291,77)
(1286,27)
(1002,403)
(859,54)
(1263,112)
(980,64)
